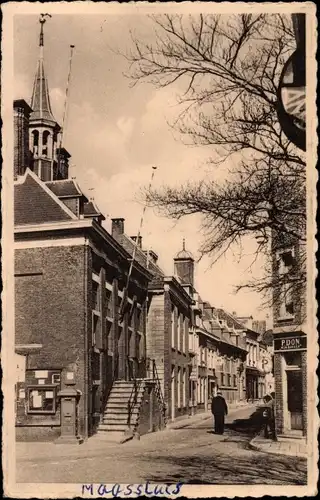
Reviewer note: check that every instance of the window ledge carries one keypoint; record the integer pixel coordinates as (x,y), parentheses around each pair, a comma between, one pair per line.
(285,318)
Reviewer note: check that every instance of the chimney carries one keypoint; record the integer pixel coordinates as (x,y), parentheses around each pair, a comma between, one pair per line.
(234,314)
(153,256)
(22,157)
(61,170)
(117,227)
(139,243)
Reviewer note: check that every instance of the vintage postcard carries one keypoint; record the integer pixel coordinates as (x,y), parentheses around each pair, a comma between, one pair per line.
(159,180)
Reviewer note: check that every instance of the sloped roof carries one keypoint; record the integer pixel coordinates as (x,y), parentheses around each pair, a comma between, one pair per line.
(229,319)
(128,244)
(90,209)
(184,254)
(65,188)
(40,101)
(35,203)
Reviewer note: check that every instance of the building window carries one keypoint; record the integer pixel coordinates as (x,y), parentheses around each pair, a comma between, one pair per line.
(95,296)
(286,261)
(95,325)
(41,400)
(179,346)
(108,303)
(173,317)
(139,320)
(293,359)
(183,333)
(286,309)
(56,378)
(222,379)
(109,325)
(179,387)
(234,380)
(229,380)
(184,387)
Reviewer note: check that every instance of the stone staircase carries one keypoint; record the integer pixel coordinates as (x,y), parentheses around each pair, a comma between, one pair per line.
(125,398)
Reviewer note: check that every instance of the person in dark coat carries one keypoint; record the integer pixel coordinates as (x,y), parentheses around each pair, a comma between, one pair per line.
(219,410)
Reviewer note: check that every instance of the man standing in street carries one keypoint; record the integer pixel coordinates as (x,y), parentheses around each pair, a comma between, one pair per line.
(219,410)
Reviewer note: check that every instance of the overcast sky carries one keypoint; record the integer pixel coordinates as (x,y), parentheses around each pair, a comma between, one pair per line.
(116,133)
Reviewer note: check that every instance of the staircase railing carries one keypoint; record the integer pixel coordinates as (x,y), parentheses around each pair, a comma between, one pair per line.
(146,370)
(158,390)
(133,399)
(114,376)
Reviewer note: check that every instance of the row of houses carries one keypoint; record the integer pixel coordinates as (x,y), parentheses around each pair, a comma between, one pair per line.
(104,339)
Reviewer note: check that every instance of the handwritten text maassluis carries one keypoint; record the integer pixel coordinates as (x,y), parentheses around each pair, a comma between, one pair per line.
(127,490)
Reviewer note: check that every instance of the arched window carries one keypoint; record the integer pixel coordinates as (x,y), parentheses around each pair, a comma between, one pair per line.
(35,141)
(45,137)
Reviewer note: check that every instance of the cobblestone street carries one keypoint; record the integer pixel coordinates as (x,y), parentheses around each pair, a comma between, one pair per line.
(191,454)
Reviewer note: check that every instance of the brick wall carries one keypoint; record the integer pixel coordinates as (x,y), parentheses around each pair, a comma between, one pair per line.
(155,336)
(279,393)
(167,353)
(298,289)
(21,157)
(150,419)
(51,309)
(304,392)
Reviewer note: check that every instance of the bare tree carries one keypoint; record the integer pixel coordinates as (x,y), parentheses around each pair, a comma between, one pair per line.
(228,69)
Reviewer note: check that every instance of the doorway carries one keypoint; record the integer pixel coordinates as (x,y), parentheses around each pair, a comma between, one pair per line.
(294,388)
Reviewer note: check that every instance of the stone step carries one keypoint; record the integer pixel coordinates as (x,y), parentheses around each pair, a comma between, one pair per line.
(119,411)
(291,436)
(117,398)
(123,386)
(123,394)
(112,428)
(108,436)
(120,421)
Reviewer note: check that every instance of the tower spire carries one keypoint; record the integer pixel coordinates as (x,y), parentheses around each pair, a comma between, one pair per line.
(43,128)
(42,20)
(40,101)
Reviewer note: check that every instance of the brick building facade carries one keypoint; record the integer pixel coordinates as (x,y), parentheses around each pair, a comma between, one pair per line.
(169,323)
(94,312)
(70,276)
(290,337)
(80,298)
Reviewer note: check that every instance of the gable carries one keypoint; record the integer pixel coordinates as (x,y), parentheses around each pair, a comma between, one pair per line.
(34,205)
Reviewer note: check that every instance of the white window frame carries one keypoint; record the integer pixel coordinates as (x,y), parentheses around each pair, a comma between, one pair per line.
(283,313)
(173,318)
(179,387)
(183,332)
(178,331)
(282,268)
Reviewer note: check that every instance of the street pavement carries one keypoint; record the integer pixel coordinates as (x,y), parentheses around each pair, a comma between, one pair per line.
(190,455)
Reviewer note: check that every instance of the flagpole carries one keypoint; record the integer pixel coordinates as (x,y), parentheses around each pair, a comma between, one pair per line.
(125,292)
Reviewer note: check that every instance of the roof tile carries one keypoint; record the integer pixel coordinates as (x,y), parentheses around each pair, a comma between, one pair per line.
(33,205)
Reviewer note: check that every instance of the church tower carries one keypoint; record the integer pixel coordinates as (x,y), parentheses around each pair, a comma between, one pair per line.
(43,128)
